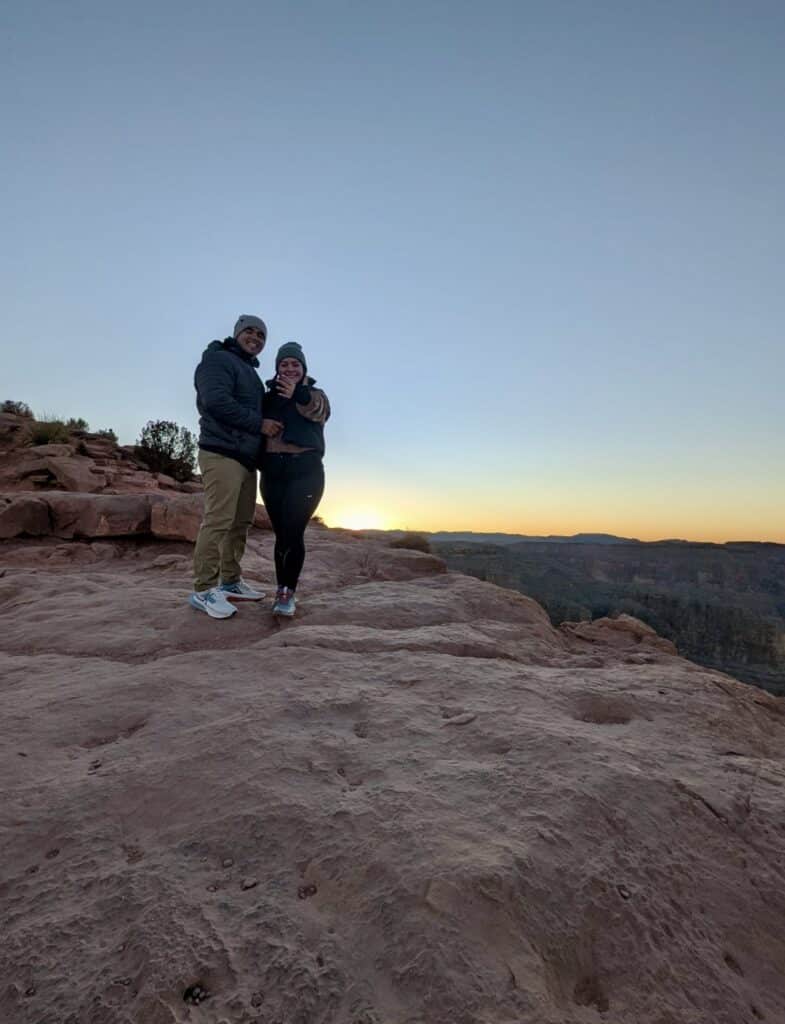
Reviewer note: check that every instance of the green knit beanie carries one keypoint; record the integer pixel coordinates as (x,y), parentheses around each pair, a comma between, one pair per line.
(291,350)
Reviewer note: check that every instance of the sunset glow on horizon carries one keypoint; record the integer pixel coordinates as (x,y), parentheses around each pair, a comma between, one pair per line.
(356,518)
(695,526)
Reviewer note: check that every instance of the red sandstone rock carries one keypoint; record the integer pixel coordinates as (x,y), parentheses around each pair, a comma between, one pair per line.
(23,515)
(622,631)
(100,515)
(178,517)
(167,482)
(453,812)
(89,464)
(14,431)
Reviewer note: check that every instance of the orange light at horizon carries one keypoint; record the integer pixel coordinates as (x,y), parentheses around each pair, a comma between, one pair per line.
(650,511)
(367,518)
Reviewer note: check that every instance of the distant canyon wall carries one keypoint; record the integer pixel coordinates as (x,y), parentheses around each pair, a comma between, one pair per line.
(722,605)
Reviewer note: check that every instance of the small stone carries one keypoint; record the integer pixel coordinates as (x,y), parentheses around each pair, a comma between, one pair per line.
(30,991)
(623,891)
(249,883)
(228,862)
(464,719)
(54,852)
(212,888)
(257,999)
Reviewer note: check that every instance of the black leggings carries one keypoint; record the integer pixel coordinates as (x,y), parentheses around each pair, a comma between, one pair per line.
(292,487)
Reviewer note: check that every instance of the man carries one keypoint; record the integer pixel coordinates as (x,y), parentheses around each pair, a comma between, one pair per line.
(229,399)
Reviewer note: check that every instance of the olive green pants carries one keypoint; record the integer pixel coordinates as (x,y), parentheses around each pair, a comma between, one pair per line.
(229,504)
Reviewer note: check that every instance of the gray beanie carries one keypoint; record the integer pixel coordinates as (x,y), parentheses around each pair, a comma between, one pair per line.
(291,350)
(246,320)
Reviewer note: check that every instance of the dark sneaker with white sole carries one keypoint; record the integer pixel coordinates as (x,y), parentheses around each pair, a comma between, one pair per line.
(286,603)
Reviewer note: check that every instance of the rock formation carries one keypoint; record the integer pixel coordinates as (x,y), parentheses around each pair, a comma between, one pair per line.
(418,802)
(89,464)
(90,488)
(723,605)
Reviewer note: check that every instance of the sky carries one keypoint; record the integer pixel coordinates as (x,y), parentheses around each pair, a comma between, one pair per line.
(534,251)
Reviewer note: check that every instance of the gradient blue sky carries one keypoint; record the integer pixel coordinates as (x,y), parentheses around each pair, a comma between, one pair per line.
(534,251)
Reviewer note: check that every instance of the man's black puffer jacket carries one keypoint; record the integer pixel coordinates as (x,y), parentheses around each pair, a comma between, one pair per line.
(229,397)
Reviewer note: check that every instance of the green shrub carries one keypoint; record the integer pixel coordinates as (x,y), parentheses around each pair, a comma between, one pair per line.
(77,424)
(17,408)
(107,433)
(414,541)
(166,448)
(49,432)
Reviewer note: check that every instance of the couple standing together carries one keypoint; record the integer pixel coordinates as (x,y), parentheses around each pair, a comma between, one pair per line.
(245,426)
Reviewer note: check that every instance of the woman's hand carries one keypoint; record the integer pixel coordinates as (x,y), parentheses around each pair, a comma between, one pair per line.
(285,387)
(270,428)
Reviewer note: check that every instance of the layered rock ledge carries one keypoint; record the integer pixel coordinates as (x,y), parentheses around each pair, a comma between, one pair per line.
(416,802)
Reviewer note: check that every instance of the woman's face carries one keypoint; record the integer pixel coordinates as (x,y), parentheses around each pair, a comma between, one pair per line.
(291,369)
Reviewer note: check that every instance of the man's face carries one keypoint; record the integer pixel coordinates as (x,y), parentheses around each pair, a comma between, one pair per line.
(251,340)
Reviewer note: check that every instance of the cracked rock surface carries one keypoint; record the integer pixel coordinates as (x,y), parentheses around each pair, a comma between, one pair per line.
(415,802)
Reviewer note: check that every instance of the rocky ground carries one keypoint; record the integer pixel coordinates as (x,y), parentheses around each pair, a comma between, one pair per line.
(416,802)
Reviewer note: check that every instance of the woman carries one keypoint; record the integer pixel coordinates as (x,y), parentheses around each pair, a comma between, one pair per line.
(292,473)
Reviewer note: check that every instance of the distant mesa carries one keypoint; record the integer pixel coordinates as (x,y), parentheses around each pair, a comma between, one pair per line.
(473,537)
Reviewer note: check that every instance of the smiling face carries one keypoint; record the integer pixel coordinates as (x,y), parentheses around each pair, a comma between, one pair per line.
(251,340)
(291,369)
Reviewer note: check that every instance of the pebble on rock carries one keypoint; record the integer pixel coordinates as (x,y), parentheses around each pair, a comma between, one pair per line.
(464,719)
(249,883)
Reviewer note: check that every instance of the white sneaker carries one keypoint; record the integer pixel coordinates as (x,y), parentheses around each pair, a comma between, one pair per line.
(240,591)
(213,602)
